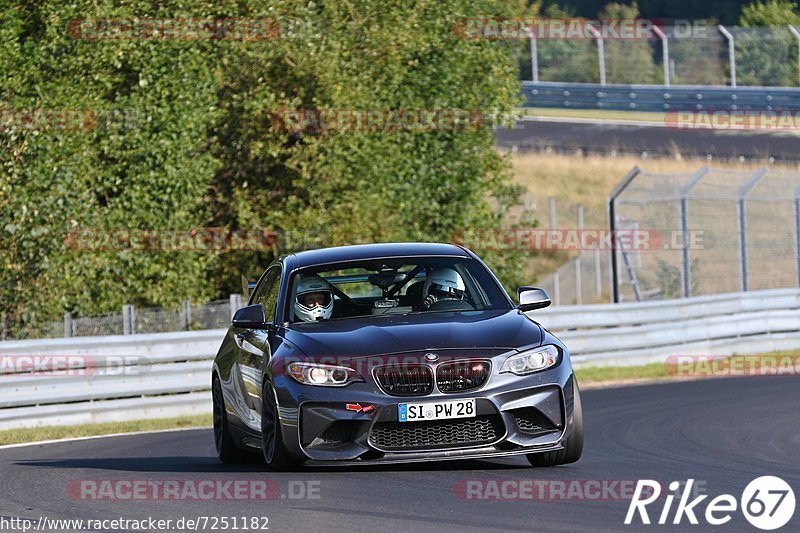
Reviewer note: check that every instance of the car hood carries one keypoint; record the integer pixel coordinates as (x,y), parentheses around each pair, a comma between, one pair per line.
(383,335)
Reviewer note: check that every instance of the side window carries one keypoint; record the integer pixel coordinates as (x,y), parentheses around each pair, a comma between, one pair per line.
(267,292)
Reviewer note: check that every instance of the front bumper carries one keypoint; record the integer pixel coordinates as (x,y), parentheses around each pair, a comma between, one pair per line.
(515,415)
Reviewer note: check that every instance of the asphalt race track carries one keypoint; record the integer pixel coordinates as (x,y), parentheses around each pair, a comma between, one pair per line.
(605,138)
(722,433)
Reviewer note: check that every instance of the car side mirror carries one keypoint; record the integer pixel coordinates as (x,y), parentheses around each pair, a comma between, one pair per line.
(252,316)
(531,298)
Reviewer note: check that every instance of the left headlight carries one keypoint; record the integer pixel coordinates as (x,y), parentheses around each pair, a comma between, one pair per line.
(531,360)
(325,375)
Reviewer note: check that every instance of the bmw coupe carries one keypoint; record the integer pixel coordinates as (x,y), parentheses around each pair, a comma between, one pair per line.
(392,353)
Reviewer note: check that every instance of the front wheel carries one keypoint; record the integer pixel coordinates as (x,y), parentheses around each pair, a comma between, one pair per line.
(276,456)
(573,447)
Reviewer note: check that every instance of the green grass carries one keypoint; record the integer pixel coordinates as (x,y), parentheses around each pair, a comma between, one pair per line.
(15,436)
(600,114)
(782,361)
(601,374)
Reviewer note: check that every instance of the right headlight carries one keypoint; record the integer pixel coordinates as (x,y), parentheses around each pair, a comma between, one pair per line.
(531,361)
(324,375)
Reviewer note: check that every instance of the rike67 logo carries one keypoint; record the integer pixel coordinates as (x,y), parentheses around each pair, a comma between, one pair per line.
(767,503)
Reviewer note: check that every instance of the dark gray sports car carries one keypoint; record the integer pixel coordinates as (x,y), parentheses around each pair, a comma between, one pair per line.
(392,353)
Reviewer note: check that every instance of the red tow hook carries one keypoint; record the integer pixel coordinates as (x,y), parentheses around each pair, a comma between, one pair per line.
(358,408)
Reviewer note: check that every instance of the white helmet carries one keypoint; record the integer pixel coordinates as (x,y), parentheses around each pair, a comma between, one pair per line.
(444,284)
(314,299)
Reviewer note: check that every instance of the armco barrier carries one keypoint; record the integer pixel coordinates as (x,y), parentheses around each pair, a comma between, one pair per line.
(637,333)
(659,98)
(169,373)
(162,375)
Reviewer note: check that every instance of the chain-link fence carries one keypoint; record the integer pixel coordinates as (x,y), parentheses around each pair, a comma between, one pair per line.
(132,320)
(681,235)
(684,54)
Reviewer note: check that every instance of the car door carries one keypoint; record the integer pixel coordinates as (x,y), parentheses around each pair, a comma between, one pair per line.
(253,347)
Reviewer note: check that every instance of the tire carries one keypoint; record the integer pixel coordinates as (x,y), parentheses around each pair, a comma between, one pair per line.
(223,440)
(573,447)
(276,456)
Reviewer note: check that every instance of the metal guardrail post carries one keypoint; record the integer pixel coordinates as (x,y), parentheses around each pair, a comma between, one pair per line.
(797,36)
(67,324)
(664,52)
(731,52)
(740,211)
(610,201)
(601,53)
(686,277)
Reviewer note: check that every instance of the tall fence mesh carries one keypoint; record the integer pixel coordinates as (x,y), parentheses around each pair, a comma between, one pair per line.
(708,232)
(764,56)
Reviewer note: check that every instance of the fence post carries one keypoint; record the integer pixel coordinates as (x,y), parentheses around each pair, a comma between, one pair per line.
(740,211)
(578,287)
(683,208)
(664,52)
(601,54)
(67,324)
(797,230)
(552,202)
(534,56)
(612,198)
(236,303)
(598,274)
(797,35)
(187,314)
(126,319)
(731,52)
(556,290)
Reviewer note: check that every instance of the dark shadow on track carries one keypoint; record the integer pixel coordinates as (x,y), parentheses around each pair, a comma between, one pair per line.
(189,464)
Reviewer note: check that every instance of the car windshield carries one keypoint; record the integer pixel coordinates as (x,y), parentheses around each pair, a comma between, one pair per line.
(393,287)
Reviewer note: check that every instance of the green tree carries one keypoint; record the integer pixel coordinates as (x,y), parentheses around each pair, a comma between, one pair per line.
(628,61)
(198,146)
(766,51)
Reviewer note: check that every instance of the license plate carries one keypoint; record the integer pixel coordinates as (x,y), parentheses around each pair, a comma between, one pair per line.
(417,412)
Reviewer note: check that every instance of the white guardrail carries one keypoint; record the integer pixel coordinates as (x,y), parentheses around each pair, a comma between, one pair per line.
(162,375)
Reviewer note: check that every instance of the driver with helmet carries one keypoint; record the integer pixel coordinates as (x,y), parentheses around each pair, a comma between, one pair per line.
(314,299)
(443,284)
